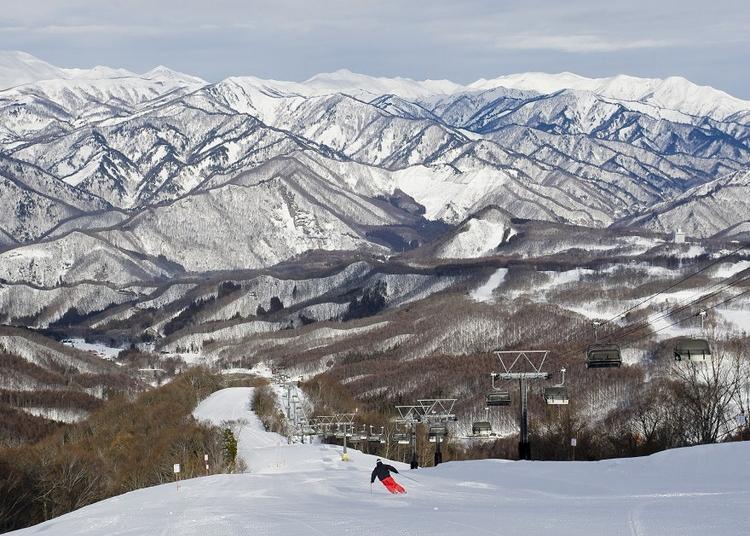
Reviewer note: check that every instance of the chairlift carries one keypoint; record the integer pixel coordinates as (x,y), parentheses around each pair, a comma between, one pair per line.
(436,431)
(603,356)
(375,438)
(557,394)
(401,439)
(498,398)
(481,429)
(690,349)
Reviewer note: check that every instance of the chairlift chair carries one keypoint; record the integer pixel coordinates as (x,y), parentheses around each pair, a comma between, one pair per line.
(436,431)
(690,349)
(498,398)
(481,429)
(556,395)
(603,356)
(401,439)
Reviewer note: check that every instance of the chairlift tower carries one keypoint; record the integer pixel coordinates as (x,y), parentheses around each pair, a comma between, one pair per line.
(410,416)
(339,420)
(302,422)
(517,359)
(289,385)
(437,412)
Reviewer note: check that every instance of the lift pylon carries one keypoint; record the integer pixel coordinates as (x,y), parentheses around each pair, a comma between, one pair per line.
(512,361)
(410,416)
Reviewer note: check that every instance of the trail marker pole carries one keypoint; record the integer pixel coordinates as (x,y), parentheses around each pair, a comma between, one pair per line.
(205,459)
(176,470)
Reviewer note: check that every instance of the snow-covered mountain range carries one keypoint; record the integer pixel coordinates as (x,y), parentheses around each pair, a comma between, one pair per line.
(110,175)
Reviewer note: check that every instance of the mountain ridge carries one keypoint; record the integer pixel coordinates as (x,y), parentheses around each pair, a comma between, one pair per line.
(170,172)
(669,92)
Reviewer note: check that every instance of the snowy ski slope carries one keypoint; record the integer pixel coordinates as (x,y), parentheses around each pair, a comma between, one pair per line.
(306,490)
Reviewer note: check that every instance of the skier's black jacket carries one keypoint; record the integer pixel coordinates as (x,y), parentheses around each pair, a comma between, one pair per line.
(382,471)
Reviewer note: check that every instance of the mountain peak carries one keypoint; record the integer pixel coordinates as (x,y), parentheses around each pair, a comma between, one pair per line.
(17,67)
(163,72)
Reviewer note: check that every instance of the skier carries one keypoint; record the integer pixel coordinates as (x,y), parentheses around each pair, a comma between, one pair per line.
(383,472)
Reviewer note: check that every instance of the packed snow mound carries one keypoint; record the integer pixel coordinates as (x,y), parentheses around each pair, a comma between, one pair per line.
(478,236)
(307,489)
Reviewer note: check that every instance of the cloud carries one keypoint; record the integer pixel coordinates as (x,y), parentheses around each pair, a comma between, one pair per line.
(579,43)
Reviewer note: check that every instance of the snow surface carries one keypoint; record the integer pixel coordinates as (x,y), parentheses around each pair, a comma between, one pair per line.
(307,490)
(476,238)
(674,93)
(101,350)
(234,405)
(484,292)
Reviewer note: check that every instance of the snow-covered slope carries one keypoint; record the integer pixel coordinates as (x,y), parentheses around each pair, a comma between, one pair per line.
(674,93)
(18,68)
(479,235)
(307,489)
(232,407)
(704,210)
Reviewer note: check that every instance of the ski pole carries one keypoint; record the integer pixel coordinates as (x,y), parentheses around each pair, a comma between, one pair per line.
(370,488)
(409,478)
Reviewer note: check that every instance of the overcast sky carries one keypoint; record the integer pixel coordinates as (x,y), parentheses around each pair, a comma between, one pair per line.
(705,41)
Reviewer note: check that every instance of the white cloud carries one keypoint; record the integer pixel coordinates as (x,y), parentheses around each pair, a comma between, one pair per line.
(579,43)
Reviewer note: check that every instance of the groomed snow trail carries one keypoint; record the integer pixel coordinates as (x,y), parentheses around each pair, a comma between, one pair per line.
(484,292)
(307,490)
(232,406)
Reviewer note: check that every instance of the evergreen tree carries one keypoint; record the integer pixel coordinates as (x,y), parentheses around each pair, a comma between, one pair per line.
(230,448)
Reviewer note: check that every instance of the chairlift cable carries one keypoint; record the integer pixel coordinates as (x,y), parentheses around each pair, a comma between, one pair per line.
(673,285)
(707,308)
(680,306)
(670,287)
